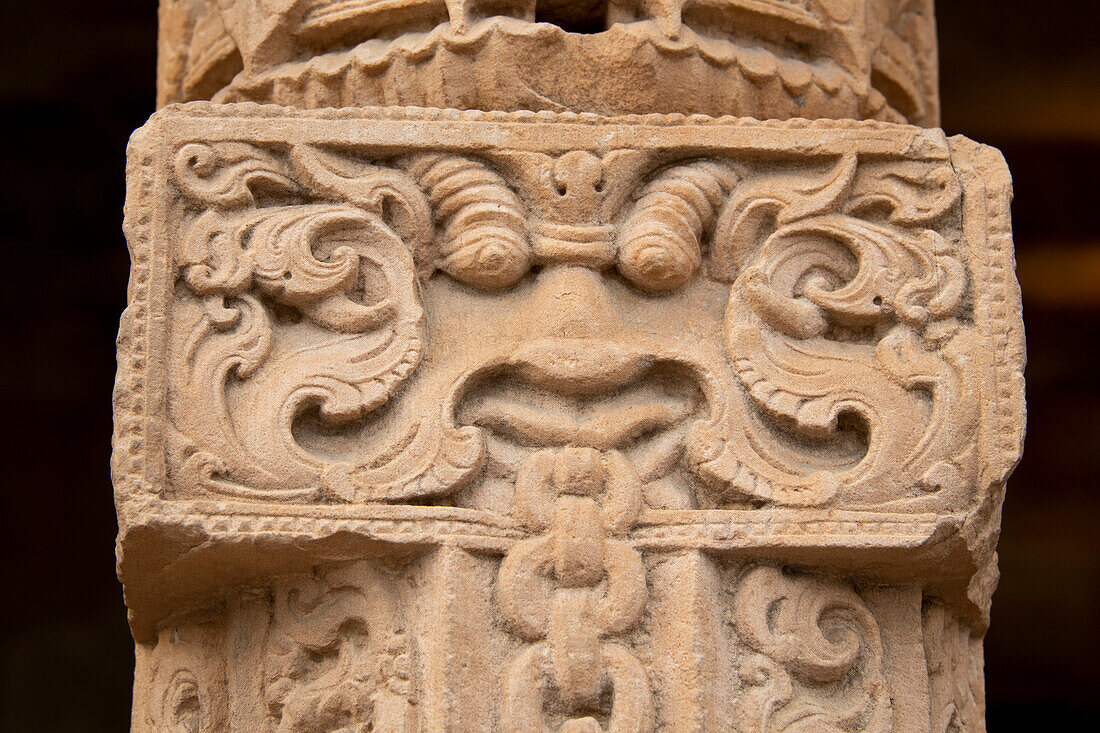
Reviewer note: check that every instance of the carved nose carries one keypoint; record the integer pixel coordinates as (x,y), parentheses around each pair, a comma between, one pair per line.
(572,302)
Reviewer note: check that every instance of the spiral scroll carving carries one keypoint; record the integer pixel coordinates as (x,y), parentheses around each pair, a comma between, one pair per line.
(844,330)
(344,270)
(815,660)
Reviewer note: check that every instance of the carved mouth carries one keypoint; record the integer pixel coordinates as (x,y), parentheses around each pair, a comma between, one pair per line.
(568,392)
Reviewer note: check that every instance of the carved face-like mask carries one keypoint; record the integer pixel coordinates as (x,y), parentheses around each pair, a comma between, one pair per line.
(731,328)
(540,421)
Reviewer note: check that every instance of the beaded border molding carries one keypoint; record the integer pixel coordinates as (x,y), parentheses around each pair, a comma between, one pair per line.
(948,509)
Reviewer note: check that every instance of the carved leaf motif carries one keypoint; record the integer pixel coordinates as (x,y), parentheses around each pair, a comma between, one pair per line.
(758,205)
(288,269)
(832,314)
(341,270)
(437,460)
(856,273)
(227,174)
(348,286)
(334,645)
(214,260)
(818,656)
(913,192)
(310,258)
(385,192)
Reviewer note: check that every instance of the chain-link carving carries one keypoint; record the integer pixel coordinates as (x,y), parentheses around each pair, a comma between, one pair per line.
(569,588)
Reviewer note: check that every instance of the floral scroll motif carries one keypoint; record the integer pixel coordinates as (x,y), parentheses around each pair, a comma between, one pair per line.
(815,659)
(845,329)
(337,657)
(341,278)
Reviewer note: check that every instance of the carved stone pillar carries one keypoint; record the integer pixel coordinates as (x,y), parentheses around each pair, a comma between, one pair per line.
(501,412)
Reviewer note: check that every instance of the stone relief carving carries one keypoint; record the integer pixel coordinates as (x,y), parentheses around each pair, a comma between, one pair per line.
(839,319)
(302,278)
(185,681)
(180,706)
(955,672)
(330,653)
(550,588)
(502,415)
(540,365)
(335,267)
(814,657)
(798,650)
(760,58)
(337,657)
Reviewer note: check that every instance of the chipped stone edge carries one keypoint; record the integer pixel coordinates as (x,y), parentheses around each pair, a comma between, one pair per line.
(987,192)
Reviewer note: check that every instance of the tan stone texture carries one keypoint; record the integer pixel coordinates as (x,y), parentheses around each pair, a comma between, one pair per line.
(873,59)
(557,399)
(526,421)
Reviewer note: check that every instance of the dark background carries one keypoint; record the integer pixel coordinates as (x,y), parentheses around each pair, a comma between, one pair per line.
(76,76)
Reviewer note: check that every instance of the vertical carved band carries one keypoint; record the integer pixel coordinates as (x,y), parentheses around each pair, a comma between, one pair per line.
(816,657)
(550,588)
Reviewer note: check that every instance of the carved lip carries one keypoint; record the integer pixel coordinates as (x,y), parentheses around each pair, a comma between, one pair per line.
(579,392)
(579,366)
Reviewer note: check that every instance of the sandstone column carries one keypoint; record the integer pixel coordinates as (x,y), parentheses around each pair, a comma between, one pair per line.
(572,366)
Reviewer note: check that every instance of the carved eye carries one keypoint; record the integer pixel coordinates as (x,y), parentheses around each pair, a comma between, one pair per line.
(658,259)
(488,256)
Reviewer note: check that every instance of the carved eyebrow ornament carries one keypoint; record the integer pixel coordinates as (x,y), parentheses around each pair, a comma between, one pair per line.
(660,244)
(484,239)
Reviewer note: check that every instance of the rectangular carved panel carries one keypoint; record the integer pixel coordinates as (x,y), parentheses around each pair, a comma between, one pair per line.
(365,646)
(588,395)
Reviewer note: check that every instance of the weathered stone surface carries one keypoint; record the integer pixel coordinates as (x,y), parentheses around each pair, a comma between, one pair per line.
(439,420)
(755,58)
